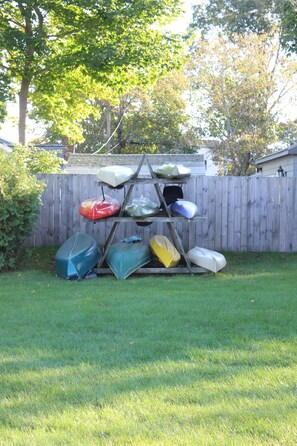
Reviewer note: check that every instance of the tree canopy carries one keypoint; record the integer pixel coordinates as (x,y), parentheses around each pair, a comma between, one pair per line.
(241,82)
(150,119)
(40,41)
(255,16)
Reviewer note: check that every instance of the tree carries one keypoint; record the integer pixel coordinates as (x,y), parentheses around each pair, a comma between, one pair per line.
(253,16)
(63,103)
(287,132)
(242,82)
(289,25)
(151,119)
(41,41)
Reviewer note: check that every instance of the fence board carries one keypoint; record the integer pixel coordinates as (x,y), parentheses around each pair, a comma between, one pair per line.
(241,213)
(294,215)
(283,214)
(243,209)
(270,213)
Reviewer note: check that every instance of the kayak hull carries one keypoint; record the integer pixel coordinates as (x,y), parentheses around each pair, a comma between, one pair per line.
(184,208)
(77,256)
(174,171)
(142,207)
(165,251)
(115,175)
(206,258)
(125,258)
(99,207)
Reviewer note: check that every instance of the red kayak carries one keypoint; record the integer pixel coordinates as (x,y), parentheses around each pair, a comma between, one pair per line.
(99,207)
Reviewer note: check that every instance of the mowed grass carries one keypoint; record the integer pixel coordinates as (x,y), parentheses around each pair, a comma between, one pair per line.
(152,360)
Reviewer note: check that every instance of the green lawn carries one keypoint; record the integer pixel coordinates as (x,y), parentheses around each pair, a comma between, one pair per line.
(168,361)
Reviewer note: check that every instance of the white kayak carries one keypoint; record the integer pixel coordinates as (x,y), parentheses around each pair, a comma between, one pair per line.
(142,207)
(206,258)
(115,175)
(172,171)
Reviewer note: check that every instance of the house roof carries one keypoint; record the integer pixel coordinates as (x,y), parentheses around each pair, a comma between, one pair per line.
(89,163)
(6,145)
(291,150)
(5,142)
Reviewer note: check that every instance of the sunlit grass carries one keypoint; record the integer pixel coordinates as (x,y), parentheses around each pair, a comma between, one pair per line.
(170,360)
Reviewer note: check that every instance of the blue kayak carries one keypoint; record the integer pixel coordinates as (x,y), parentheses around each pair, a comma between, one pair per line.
(184,208)
(127,256)
(77,256)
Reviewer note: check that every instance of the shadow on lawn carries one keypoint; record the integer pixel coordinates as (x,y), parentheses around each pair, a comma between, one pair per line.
(191,341)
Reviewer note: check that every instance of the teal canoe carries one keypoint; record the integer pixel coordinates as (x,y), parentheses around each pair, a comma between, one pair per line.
(77,256)
(127,256)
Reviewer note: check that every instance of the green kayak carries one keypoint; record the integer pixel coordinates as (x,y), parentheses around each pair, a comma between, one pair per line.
(77,256)
(127,256)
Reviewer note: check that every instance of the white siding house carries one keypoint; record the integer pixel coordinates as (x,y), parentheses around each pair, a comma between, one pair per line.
(280,163)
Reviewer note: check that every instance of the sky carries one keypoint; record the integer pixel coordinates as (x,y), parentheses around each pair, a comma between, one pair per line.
(9,130)
(184,20)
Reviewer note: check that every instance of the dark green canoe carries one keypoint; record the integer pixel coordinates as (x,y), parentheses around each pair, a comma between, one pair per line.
(127,256)
(77,256)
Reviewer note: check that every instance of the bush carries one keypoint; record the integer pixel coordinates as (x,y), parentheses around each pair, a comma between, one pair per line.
(38,160)
(20,197)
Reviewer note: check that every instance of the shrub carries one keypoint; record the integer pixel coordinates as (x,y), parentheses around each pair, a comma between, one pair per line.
(38,160)
(20,194)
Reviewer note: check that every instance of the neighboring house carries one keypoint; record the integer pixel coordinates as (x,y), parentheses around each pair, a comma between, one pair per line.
(59,148)
(87,163)
(210,167)
(280,163)
(6,145)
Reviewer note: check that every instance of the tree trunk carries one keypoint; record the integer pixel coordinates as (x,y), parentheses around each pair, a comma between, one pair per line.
(120,134)
(108,127)
(68,148)
(23,105)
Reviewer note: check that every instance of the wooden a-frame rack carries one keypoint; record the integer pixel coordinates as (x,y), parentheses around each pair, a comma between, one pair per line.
(166,218)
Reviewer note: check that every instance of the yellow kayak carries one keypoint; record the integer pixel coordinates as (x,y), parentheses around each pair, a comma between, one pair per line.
(164,250)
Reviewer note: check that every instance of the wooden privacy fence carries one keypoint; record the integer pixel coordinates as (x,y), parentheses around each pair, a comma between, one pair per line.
(240,213)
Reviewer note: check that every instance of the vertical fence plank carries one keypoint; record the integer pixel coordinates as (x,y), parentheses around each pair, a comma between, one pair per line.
(218,216)
(231,213)
(288,228)
(211,209)
(237,234)
(270,213)
(197,236)
(243,208)
(283,214)
(191,189)
(263,215)
(225,223)
(294,214)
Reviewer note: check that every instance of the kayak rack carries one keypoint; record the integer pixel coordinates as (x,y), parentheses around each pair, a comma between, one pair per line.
(164,216)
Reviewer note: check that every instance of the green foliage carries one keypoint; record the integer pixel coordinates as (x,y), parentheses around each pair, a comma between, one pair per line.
(42,42)
(235,16)
(63,103)
(238,80)
(19,206)
(253,16)
(5,94)
(289,25)
(37,160)
(153,120)
(287,132)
